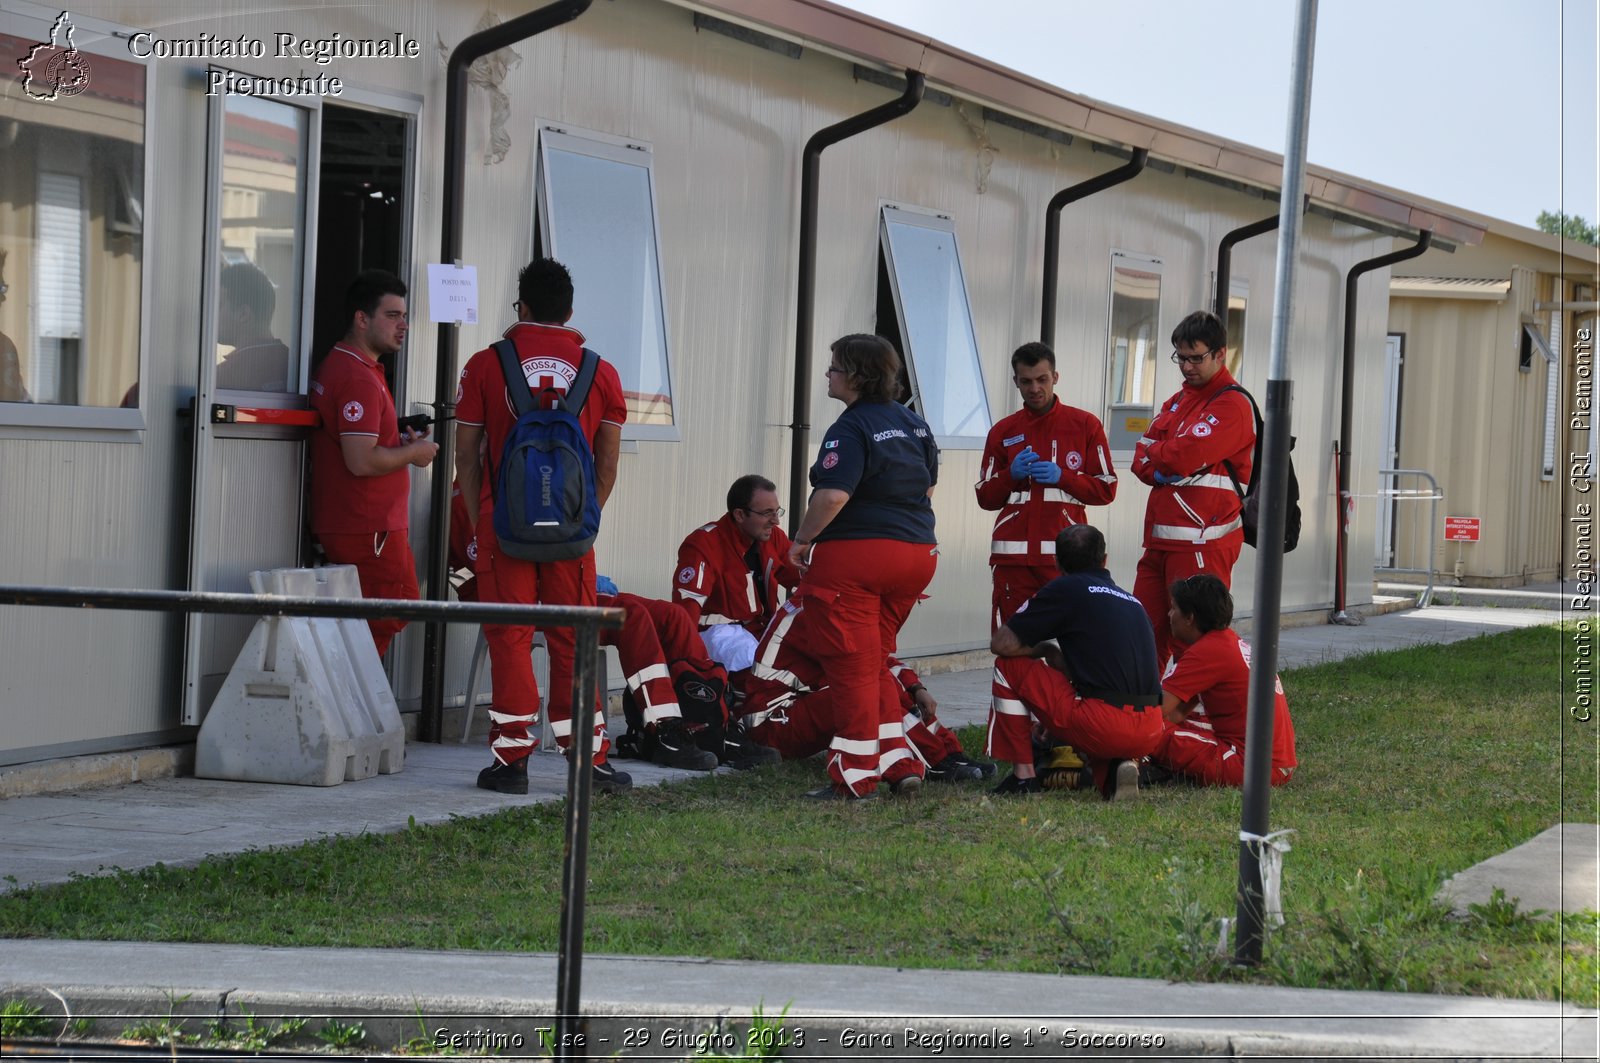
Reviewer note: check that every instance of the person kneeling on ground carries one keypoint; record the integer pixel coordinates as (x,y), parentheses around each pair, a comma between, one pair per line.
(790,705)
(1206,691)
(1098,690)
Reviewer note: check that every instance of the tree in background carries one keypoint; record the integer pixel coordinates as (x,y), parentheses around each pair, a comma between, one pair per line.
(1573,227)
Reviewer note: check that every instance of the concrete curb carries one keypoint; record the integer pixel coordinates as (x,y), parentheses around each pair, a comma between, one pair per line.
(666,1007)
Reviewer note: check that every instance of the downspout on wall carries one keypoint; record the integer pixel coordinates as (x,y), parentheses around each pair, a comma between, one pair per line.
(431,724)
(805,295)
(1346,412)
(1052,233)
(1225,261)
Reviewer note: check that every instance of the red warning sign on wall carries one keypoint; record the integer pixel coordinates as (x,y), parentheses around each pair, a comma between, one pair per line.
(1462,529)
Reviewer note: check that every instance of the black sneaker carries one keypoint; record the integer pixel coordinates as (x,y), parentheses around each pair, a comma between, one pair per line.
(674,747)
(1122,781)
(1011,785)
(632,745)
(608,780)
(741,752)
(831,792)
(985,767)
(952,769)
(505,778)
(1153,774)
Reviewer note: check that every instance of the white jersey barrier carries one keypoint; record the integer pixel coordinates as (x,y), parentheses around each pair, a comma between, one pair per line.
(307,701)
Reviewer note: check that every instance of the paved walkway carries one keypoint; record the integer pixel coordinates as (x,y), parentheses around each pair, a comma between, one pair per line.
(180,820)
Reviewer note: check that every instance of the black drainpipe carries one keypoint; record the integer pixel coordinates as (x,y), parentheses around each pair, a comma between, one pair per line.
(1347,408)
(1225,260)
(1052,233)
(805,300)
(430,726)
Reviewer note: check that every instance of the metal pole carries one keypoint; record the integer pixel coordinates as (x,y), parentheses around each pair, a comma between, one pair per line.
(430,726)
(1052,233)
(805,292)
(1274,504)
(1347,403)
(570,1026)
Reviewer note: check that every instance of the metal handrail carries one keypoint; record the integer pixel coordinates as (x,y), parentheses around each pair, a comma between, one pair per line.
(1434,495)
(586,622)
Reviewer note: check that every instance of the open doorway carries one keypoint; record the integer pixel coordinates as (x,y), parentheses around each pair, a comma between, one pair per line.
(363,211)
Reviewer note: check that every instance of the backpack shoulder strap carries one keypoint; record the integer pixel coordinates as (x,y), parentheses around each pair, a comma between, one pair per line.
(578,393)
(516,382)
(1233,474)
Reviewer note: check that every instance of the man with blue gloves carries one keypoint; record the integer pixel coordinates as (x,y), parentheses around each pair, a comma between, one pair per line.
(1041,467)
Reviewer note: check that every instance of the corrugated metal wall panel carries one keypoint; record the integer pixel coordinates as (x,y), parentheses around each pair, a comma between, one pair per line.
(727,123)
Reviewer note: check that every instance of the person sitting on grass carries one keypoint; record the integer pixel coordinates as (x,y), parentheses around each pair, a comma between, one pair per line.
(1205,692)
(1095,687)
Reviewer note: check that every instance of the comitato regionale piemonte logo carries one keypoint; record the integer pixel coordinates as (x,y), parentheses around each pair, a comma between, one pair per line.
(55,68)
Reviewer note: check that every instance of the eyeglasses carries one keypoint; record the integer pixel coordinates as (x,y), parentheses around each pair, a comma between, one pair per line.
(769,514)
(832,369)
(516,307)
(1191,359)
(4,287)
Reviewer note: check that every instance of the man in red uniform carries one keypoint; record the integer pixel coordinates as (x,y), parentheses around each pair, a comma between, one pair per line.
(1098,691)
(729,572)
(1191,519)
(551,354)
(360,487)
(1206,692)
(1041,466)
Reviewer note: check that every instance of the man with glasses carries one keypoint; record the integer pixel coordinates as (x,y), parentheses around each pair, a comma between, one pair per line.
(1191,518)
(1041,466)
(729,572)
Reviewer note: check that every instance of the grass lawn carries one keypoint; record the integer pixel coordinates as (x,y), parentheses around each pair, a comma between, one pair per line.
(1414,765)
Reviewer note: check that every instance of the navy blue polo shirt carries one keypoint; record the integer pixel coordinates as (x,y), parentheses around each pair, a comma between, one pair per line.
(1104,633)
(884,456)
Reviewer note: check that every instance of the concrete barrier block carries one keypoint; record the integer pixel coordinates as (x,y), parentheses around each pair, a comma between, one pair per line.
(306,701)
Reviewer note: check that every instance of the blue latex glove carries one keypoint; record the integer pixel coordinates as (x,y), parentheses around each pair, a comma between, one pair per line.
(1167,478)
(1022,463)
(1045,472)
(604,585)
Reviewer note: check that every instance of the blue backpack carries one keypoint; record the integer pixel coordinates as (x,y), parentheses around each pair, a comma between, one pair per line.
(546,507)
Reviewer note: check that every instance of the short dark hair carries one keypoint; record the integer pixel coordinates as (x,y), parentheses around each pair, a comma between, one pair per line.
(1205,600)
(545,287)
(1202,326)
(744,489)
(368,290)
(245,285)
(871,363)
(1031,354)
(1080,547)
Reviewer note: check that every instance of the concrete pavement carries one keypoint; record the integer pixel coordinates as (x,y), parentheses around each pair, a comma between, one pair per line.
(402,992)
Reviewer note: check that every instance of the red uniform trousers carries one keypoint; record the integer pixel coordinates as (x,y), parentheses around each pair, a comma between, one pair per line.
(1013,585)
(385,566)
(642,654)
(1192,748)
(858,593)
(1026,686)
(1159,569)
(515,712)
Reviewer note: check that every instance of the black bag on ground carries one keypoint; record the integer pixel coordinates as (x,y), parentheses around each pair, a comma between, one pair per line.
(1250,497)
(702,699)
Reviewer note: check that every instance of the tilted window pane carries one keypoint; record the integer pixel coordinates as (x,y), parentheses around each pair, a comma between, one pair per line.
(1135,306)
(71,233)
(261,247)
(937,328)
(603,229)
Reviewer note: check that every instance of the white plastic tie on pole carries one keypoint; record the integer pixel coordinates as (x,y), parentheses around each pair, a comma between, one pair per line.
(1269,850)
